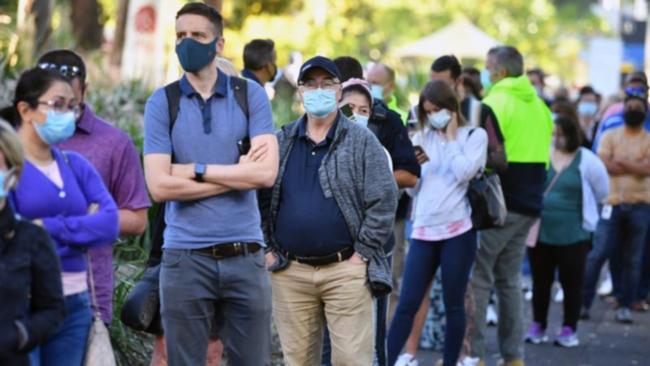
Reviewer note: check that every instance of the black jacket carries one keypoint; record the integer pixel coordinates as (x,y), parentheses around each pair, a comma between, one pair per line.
(393,135)
(30,288)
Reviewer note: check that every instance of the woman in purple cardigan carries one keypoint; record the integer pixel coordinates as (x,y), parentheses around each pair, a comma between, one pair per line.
(63,193)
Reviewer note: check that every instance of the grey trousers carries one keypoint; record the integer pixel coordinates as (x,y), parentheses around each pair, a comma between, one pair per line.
(498,265)
(198,292)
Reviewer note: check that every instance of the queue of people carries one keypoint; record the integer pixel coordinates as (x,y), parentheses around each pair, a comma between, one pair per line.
(306,226)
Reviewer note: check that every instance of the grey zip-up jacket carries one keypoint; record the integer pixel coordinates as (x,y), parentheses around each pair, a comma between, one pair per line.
(355,171)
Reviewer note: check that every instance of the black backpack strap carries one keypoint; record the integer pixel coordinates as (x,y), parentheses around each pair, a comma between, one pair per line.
(173,94)
(240,89)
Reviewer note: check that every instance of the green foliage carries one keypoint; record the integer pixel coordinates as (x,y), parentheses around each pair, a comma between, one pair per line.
(130,347)
(244,8)
(121,105)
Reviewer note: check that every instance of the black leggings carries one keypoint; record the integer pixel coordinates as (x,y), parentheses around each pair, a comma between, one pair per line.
(570,261)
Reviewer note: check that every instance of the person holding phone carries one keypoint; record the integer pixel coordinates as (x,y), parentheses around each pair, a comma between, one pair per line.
(452,154)
(356,104)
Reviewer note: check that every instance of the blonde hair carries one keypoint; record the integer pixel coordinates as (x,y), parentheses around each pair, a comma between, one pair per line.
(227,67)
(11,148)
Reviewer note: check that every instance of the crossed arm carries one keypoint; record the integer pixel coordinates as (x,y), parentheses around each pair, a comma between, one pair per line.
(175,182)
(620,167)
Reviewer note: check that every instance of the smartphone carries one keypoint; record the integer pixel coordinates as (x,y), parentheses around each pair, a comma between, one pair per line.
(244,146)
(347,111)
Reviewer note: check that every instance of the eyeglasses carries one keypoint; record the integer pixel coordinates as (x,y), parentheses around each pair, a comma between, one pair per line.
(62,106)
(66,71)
(327,84)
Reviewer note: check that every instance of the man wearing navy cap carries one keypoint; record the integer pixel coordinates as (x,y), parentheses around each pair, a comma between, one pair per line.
(326,220)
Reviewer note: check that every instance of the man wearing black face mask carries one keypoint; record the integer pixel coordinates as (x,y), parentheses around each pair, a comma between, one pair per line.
(625,218)
(212,269)
(259,61)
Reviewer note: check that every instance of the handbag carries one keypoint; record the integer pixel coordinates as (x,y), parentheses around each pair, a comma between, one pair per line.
(533,232)
(486,199)
(99,351)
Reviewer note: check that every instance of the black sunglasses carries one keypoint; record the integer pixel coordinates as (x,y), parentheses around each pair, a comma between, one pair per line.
(66,71)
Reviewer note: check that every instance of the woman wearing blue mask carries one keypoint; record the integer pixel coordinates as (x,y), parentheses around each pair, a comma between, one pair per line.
(451,155)
(588,106)
(30,285)
(61,192)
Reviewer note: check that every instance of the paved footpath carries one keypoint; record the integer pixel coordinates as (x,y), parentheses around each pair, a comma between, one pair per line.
(604,342)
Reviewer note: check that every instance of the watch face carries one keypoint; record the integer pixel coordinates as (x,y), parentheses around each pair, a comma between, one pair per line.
(200,168)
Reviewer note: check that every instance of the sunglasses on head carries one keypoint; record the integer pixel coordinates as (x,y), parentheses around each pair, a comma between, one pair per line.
(66,71)
(636,92)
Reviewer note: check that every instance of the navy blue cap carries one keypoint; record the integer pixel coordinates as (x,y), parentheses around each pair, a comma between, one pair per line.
(319,62)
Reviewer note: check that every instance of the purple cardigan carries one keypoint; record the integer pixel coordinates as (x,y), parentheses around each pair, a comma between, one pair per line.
(65,211)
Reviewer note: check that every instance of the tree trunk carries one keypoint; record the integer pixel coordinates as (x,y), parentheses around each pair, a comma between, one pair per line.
(40,13)
(120,32)
(217,4)
(85,24)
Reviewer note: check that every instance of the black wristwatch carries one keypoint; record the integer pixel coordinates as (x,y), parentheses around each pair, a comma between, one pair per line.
(199,171)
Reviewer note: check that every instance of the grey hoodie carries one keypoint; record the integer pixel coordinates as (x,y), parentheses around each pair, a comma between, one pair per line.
(355,171)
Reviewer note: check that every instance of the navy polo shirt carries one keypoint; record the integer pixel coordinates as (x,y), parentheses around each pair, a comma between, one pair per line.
(308,223)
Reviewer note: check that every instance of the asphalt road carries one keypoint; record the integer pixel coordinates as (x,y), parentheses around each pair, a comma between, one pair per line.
(604,342)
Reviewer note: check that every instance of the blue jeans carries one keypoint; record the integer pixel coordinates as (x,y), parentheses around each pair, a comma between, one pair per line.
(644,283)
(199,292)
(67,346)
(625,229)
(455,257)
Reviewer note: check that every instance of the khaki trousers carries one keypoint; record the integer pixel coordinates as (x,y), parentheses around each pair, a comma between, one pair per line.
(305,297)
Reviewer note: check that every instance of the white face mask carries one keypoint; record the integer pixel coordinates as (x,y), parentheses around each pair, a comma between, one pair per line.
(439,120)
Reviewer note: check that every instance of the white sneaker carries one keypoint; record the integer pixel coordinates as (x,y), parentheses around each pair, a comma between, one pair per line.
(605,287)
(406,359)
(469,361)
(528,295)
(559,295)
(491,316)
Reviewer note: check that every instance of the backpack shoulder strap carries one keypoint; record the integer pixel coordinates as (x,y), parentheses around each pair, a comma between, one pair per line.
(240,89)
(173,94)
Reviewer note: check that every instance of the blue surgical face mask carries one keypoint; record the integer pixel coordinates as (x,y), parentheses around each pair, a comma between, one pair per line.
(439,120)
(587,109)
(6,181)
(194,55)
(377,91)
(57,128)
(485,79)
(319,102)
(361,119)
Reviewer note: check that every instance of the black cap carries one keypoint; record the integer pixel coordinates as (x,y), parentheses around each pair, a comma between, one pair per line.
(319,62)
